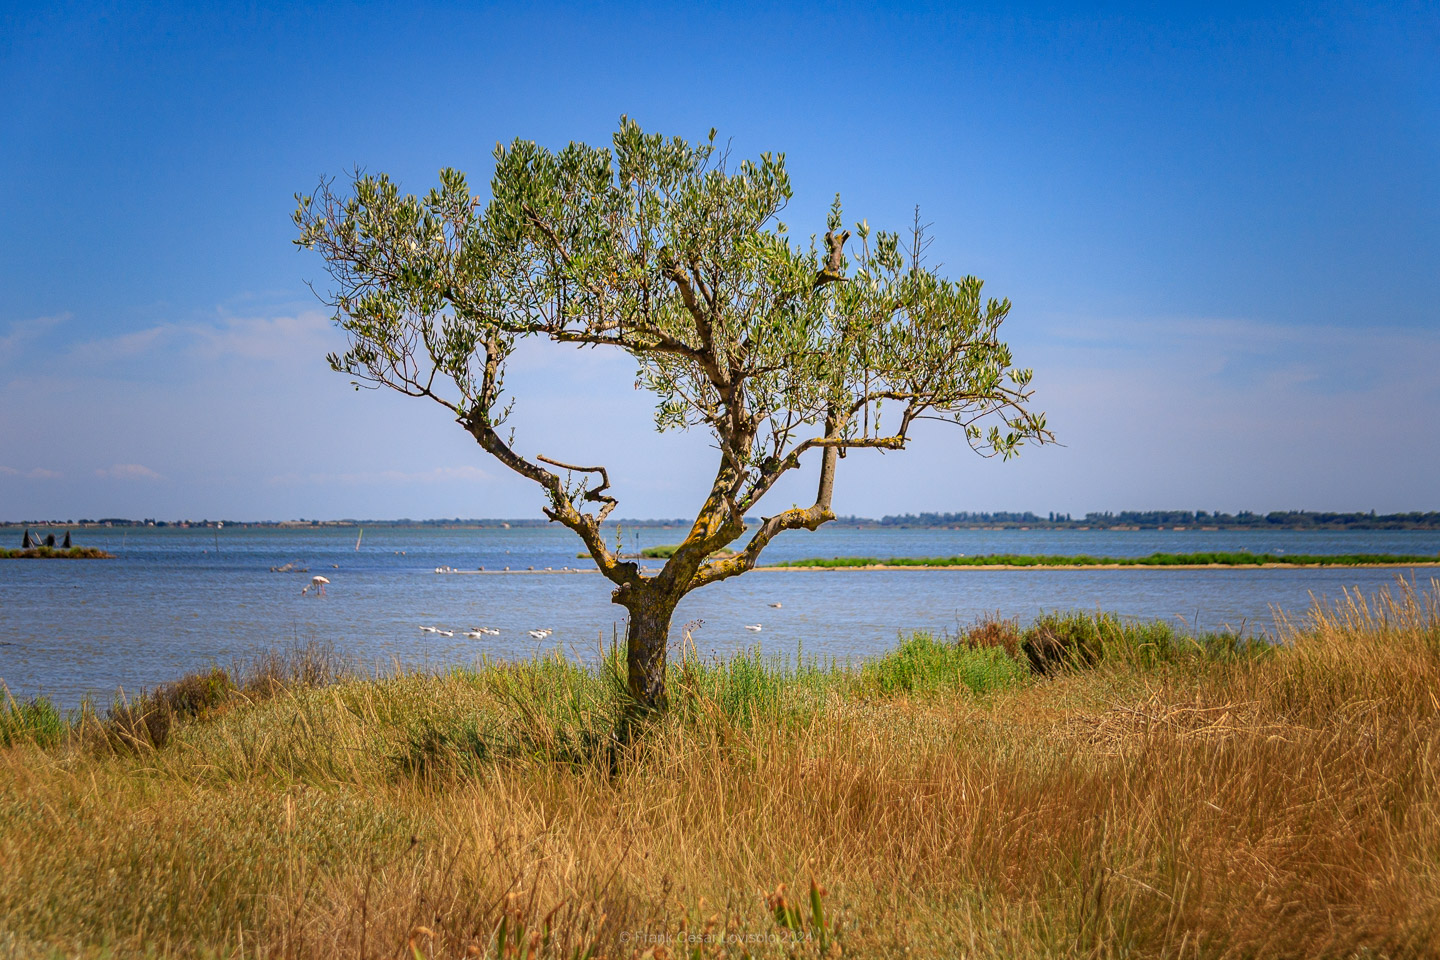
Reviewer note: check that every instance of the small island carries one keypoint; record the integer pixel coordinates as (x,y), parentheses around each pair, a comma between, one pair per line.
(31,547)
(69,553)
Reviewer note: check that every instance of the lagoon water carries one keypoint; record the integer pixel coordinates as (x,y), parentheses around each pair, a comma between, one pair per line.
(172,602)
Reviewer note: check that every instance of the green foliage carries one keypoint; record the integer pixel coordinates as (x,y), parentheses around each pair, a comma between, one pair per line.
(674,253)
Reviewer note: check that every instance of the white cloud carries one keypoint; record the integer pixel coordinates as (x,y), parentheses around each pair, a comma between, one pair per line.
(436,475)
(303,336)
(306,334)
(105,351)
(128,471)
(22,332)
(35,473)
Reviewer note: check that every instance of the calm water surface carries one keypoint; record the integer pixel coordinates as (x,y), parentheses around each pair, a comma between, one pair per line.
(172,603)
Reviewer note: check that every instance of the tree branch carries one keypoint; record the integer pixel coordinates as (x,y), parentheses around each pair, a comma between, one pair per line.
(598,494)
(563,510)
(830,273)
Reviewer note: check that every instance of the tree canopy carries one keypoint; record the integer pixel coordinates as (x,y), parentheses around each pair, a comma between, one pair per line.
(674,253)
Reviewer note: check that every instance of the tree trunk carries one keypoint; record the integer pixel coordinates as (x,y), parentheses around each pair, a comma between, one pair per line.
(646,638)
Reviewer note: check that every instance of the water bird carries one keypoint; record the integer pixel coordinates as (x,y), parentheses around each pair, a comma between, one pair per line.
(446,633)
(540,634)
(429,629)
(474,634)
(776,604)
(318,583)
(490,631)
(753,627)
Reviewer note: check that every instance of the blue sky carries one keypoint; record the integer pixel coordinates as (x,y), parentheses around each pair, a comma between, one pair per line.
(1219,226)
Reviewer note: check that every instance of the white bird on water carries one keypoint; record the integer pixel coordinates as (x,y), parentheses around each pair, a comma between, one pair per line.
(446,633)
(540,634)
(490,631)
(776,604)
(753,627)
(429,629)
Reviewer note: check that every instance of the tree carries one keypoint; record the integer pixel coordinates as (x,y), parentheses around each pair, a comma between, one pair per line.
(672,253)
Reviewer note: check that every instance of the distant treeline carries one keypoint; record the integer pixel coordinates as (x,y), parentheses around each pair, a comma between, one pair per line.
(1191,519)
(1275,520)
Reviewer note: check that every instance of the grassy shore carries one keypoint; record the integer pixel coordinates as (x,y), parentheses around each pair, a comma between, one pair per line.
(666,551)
(73,553)
(1240,559)
(1076,788)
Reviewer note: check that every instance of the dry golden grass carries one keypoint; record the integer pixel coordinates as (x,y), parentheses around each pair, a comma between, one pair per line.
(1190,804)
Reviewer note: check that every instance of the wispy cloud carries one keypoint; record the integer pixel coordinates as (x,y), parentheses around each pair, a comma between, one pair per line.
(1243,358)
(128,471)
(437,475)
(306,335)
(22,332)
(34,473)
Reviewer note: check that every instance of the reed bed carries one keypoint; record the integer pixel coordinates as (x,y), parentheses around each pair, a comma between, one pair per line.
(1076,787)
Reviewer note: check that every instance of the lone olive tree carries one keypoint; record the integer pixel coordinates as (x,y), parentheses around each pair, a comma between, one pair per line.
(670,252)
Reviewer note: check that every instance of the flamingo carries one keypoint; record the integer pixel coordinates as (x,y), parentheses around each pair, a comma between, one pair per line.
(319,584)
(753,627)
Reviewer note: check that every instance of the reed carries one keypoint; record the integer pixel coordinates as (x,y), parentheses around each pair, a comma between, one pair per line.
(1140,793)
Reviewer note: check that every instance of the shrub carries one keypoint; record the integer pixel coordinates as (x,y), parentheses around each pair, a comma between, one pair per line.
(993,632)
(1055,641)
(147,720)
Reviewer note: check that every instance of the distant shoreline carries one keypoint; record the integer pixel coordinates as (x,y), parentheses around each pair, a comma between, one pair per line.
(985,563)
(1126,521)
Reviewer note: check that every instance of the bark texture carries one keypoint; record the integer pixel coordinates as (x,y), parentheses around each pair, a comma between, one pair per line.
(646,639)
